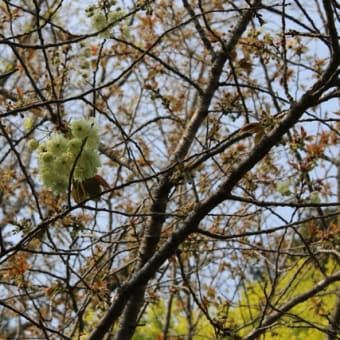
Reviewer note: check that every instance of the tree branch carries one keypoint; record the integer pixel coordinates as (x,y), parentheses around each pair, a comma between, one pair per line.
(292,303)
(153,229)
(149,260)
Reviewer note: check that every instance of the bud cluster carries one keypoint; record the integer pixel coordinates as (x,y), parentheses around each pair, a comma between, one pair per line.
(75,153)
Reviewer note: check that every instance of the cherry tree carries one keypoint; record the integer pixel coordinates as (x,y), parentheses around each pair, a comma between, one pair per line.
(169,169)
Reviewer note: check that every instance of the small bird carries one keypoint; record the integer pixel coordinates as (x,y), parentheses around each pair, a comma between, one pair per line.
(89,188)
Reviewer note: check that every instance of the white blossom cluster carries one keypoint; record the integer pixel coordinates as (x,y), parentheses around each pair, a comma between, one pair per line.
(75,153)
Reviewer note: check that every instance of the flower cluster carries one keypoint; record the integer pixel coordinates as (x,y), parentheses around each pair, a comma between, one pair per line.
(75,154)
